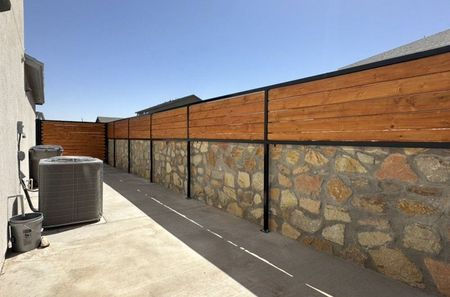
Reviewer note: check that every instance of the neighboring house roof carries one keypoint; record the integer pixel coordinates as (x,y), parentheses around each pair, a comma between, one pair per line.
(170,104)
(40,115)
(34,79)
(427,43)
(101,119)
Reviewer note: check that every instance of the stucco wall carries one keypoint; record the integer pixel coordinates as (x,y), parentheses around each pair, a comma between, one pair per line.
(15,106)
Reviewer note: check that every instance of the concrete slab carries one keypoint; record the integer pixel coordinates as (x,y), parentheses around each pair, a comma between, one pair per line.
(129,255)
(157,243)
(263,263)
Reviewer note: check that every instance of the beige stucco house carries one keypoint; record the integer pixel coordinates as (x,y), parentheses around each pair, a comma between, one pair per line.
(21,89)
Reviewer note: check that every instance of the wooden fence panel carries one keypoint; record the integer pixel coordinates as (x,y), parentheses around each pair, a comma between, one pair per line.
(170,124)
(121,129)
(140,127)
(77,138)
(403,102)
(110,130)
(240,117)
(429,65)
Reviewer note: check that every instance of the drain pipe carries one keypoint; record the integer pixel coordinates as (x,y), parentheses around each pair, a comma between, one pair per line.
(27,195)
(20,158)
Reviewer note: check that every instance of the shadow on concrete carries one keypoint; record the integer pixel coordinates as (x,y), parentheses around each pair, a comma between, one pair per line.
(286,257)
(56,230)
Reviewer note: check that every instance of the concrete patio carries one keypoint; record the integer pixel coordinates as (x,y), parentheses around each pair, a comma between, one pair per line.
(153,242)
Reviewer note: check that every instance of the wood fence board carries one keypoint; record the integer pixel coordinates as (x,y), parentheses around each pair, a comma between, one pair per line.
(110,130)
(140,127)
(76,138)
(407,101)
(390,103)
(429,65)
(240,117)
(170,124)
(121,128)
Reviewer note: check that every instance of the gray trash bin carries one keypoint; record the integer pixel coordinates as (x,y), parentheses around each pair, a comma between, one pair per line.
(38,152)
(26,231)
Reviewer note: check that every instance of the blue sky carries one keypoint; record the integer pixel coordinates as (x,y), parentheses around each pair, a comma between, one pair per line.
(112,58)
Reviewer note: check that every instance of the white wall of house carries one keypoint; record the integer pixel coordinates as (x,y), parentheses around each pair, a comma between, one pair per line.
(14,106)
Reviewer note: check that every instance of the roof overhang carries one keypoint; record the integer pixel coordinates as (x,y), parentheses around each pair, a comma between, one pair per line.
(34,79)
(5,5)
(101,119)
(180,102)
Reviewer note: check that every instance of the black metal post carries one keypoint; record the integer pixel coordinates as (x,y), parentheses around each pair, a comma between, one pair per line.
(106,159)
(129,155)
(266,163)
(151,149)
(151,160)
(114,163)
(188,156)
(38,131)
(129,146)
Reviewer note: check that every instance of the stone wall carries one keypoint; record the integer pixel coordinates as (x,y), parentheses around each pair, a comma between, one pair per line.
(229,176)
(140,158)
(170,164)
(386,209)
(111,152)
(383,208)
(122,154)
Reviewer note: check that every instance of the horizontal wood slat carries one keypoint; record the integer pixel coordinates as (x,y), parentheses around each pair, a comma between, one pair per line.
(401,87)
(76,138)
(121,128)
(412,120)
(429,65)
(403,102)
(439,135)
(170,124)
(110,130)
(140,127)
(407,101)
(240,117)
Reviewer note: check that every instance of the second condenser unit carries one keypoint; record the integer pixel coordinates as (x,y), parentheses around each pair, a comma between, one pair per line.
(70,190)
(36,154)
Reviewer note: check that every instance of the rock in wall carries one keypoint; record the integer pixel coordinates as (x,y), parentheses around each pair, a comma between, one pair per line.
(383,208)
(140,158)
(170,164)
(122,154)
(229,176)
(111,152)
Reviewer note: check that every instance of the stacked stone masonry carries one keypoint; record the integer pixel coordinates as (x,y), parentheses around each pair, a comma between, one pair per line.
(140,158)
(111,152)
(386,209)
(122,154)
(229,176)
(383,208)
(170,164)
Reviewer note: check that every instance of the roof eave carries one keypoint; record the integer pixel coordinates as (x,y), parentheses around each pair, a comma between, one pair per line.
(34,74)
